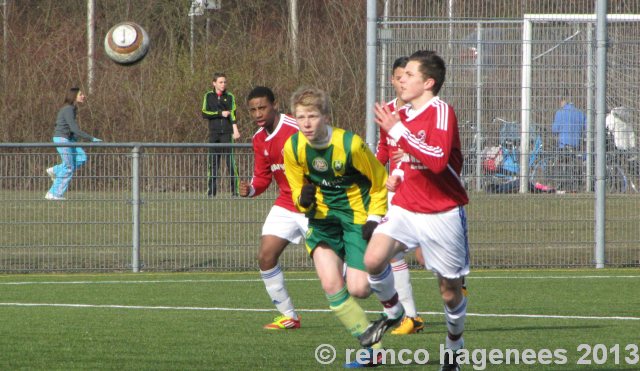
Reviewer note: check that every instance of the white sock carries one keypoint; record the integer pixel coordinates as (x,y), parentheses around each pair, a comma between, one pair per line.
(454,345)
(274,282)
(455,317)
(383,286)
(344,271)
(403,286)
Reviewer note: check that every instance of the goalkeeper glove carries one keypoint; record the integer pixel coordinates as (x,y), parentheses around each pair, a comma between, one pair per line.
(308,195)
(368,228)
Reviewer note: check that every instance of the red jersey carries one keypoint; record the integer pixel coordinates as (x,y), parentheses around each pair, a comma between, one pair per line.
(433,159)
(268,161)
(386,144)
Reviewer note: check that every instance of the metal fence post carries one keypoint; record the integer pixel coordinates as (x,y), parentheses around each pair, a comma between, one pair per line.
(601,147)
(135,208)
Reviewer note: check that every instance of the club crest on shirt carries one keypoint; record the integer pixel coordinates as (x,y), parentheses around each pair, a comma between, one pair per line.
(320,164)
(338,165)
(266,153)
(421,135)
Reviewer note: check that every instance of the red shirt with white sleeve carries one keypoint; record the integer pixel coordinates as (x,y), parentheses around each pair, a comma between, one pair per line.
(268,163)
(433,158)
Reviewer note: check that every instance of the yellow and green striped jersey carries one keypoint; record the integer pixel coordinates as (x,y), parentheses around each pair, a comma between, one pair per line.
(350,181)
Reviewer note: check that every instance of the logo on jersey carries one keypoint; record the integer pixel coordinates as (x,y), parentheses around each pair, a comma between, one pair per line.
(333,183)
(266,154)
(320,164)
(276,167)
(421,135)
(338,165)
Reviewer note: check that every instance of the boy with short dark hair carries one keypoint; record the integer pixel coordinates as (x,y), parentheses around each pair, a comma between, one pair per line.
(284,224)
(428,207)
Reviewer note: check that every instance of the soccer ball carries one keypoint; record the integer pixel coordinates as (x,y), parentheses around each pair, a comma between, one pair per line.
(126,43)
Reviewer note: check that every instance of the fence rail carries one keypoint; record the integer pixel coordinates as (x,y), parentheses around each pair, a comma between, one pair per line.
(143,206)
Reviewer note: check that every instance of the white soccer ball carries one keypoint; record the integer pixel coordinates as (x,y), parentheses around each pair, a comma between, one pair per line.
(126,43)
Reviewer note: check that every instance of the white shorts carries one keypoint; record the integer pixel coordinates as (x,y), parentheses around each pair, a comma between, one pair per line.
(442,237)
(404,252)
(285,224)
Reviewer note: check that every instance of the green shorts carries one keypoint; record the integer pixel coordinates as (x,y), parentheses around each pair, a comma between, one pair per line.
(344,238)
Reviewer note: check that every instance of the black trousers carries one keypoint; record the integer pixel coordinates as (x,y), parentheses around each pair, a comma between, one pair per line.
(214,159)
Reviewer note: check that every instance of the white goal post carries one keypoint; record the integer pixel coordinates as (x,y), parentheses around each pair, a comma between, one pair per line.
(527,60)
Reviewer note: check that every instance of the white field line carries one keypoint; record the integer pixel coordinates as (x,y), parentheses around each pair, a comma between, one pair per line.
(470,278)
(222,309)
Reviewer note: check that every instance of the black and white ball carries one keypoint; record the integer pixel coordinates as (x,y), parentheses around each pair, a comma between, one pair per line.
(126,43)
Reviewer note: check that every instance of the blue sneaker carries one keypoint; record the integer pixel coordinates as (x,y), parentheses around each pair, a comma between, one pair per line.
(367,361)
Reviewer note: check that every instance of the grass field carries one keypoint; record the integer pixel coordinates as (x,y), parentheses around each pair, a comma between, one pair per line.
(187,231)
(212,321)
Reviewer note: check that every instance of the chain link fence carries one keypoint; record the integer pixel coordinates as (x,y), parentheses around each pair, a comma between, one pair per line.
(532,197)
(179,227)
(172,225)
(148,210)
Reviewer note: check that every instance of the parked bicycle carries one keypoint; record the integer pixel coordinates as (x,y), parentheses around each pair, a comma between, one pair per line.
(543,168)
(503,175)
(621,173)
(496,169)
(471,140)
(623,169)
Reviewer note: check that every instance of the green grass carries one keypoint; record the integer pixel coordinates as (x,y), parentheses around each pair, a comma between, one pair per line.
(177,321)
(186,231)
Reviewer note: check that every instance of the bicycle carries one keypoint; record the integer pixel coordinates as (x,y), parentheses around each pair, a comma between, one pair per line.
(470,138)
(542,169)
(621,172)
(618,180)
(506,178)
(556,172)
(479,172)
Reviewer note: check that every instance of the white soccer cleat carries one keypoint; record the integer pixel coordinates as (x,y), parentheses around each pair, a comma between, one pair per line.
(51,173)
(50,196)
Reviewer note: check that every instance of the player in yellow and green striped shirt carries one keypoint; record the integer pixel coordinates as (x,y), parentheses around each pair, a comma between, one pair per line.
(340,185)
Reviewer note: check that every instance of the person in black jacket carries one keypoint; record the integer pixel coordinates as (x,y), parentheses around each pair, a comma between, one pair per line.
(219,107)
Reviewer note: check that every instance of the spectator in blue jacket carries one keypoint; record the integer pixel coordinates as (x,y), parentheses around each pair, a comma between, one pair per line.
(568,125)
